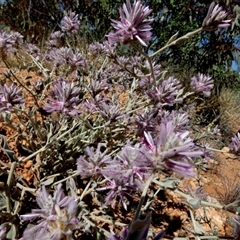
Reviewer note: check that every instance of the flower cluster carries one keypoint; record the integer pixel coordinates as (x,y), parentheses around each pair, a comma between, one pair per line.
(202,84)
(171,150)
(63,98)
(9,42)
(56,216)
(54,40)
(134,128)
(168,92)
(10,96)
(235,143)
(66,56)
(132,25)
(70,23)
(215,18)
(93,165)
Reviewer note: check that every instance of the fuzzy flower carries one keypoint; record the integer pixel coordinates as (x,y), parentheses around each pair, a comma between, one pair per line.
(236,229)
(70,23)
(168,92)
(93,164)
(171,150)
(135,169)
(56,216)
(147,122)
(133,25)
(9,97)
(179,118)
(110,112)
(54,40)
(9,42)
(118,189)
(66,56)
(235,143)
(215,18)
(63,98)
(202,84)
(33,50)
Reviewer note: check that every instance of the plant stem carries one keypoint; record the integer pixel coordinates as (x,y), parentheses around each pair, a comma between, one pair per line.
(149,61)
(179,40)
(22,85)
(8,190)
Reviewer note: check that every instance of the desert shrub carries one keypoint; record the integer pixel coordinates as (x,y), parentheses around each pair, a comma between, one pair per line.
(96,129)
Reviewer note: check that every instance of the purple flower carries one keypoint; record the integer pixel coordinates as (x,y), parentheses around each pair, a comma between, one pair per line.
(202,84)
(56,216)
(66,56)
(132,25)
(134,167)
(93,164)
(63,98)
(147,122)
(54,40)
(235,143)
(32,49)
(236,230)
(111,113)
(70,23)
(9,97)
(215,18)
(179,118)
(118,188)
(98,83)
(171,150)
(9,42)
(168,92)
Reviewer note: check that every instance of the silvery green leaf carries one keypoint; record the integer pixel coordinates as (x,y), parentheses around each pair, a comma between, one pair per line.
(2,201)
(197,227)
(194,202)
(71,185)
(48,181)
(10,153)
(170,183)
(12,232)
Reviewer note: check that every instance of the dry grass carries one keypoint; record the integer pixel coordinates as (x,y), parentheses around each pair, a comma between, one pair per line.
(229,111)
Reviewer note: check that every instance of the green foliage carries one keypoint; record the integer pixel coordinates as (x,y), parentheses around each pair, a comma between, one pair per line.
(206,53)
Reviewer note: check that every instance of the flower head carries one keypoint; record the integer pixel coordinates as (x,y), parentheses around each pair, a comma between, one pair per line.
(66,56)
(118,188)
(70,23)
(168,92)
(94,163)
(236,229)
(56,216)
(9,97)
(202,84)
(63,98)
(215,18)
(132,25)
(171,150)
(235,143)
(55,39)
(9,42)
